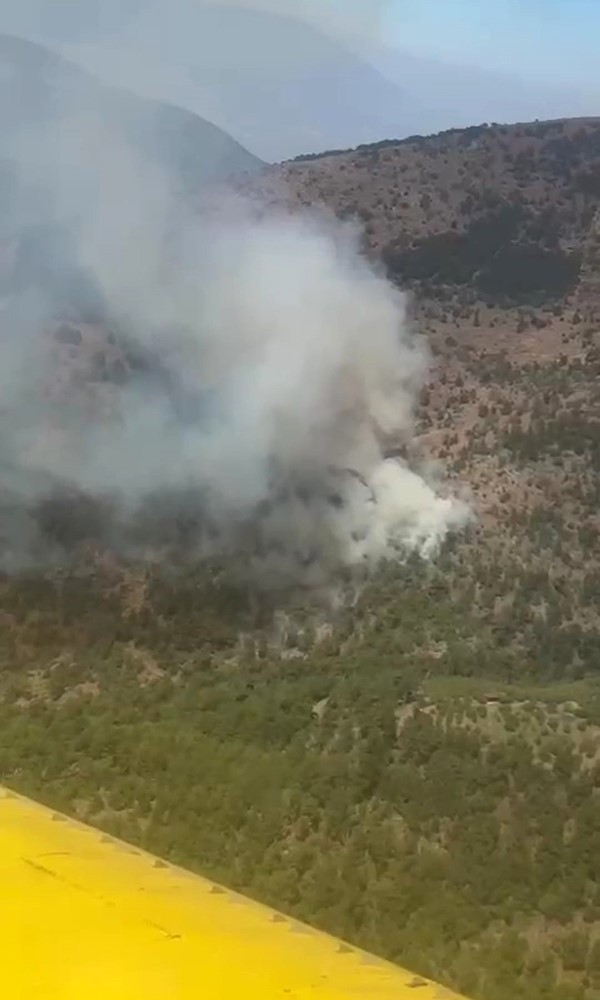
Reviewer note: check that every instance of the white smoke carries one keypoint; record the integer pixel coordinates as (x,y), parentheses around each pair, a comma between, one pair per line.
(279,371)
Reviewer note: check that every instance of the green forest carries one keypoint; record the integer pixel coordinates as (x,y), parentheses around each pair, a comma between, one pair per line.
(398,773)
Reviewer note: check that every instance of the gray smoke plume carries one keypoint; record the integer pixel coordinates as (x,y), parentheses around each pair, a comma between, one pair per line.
(212,383)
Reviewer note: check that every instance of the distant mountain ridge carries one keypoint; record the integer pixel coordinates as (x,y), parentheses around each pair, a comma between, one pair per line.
(43,90)
(276,82)
(279,84)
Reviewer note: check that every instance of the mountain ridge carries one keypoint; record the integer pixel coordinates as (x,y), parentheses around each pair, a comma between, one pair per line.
(48,86)
(438,209)
(285,86)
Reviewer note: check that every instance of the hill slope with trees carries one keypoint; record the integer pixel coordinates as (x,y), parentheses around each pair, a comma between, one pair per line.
(419,770)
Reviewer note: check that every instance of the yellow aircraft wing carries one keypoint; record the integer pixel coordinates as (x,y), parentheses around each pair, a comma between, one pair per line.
(84,916)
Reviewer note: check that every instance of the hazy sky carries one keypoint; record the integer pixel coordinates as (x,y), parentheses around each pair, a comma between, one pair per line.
(348,19)
(553,39)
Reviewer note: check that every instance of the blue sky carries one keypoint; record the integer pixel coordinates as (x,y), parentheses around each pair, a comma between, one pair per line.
(557,40)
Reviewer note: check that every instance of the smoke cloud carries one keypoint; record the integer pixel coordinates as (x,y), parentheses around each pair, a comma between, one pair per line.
(198,378)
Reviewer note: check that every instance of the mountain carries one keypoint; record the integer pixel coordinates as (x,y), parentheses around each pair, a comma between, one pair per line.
(416,771)
(281,85)
(493,231)
(43,95)
(278,83)
(96,186)
(502,213)
(455,95)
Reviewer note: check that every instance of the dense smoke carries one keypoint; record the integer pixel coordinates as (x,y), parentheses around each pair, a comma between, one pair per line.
(222,383)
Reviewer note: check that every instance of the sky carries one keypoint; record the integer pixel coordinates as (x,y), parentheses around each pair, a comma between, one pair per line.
(550,40)
(553,41)
(347,20)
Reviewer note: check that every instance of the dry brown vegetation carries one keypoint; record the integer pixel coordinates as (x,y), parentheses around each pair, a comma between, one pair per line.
(419,772)
(494,231)
(506,209)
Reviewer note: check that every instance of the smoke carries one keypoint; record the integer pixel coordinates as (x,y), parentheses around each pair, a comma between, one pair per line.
(357,21)
(222,382)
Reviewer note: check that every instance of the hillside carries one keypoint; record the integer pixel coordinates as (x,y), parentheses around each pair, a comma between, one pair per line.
(275,81)
(416,769)
(43,95)
(379,776)
(501,211)
(494,232)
